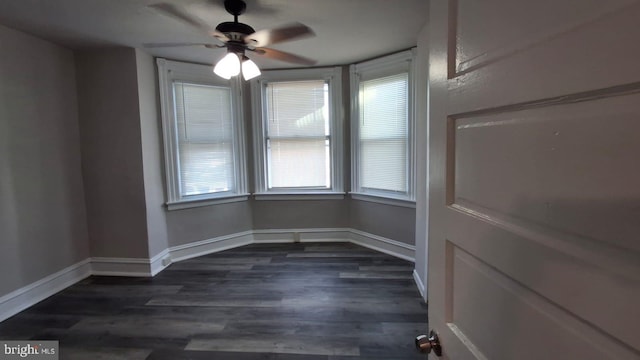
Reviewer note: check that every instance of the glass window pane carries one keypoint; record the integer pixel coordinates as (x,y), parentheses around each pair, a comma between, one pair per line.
(383,164)
(298,163)
(205,168)
(383,157)
(297,125)
(298,108)
(204,127)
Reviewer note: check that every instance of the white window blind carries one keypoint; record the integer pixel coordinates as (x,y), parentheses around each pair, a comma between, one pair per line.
(204,130)
(383,133)
(298,138)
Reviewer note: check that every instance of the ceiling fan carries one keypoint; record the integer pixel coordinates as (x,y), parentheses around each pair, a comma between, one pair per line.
(238,38)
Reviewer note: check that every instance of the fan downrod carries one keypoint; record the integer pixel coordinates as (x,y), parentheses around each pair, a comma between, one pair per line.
(235,7)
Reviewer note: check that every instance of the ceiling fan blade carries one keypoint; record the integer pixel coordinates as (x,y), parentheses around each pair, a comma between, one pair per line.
(179,44)
(284,56)
(289,32)
(180,14)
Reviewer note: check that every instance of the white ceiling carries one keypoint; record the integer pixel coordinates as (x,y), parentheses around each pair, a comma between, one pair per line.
(347,31)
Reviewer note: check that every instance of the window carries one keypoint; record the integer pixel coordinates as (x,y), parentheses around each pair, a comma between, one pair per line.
(202,127)
(382,128)
(298,146)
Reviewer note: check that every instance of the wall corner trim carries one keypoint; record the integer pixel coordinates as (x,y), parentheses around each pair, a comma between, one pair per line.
(160,262)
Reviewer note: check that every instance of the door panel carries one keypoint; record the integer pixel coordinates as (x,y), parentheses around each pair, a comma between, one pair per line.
(515,26)
(564,167)
(559,280)
(505,312)
(593,55)
(534,202)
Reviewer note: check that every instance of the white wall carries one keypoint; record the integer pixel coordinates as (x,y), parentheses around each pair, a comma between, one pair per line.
(42,213)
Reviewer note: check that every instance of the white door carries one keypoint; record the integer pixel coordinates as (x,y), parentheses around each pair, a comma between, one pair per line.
(534,200)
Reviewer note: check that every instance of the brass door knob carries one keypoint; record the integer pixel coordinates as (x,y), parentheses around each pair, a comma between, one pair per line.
(425,343)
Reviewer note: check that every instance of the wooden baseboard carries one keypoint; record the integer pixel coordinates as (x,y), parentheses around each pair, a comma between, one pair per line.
(199,248)
(384,245)
(420,284)
(29,295)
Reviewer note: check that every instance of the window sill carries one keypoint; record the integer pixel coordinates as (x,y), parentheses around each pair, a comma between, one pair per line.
(191,203)
(300,196)
(383,200)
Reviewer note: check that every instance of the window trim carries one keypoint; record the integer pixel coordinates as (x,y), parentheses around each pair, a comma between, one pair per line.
(334,77)
(373,69)
(168,73)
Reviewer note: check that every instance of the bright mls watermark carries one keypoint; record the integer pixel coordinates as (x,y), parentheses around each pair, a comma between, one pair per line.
(29,349)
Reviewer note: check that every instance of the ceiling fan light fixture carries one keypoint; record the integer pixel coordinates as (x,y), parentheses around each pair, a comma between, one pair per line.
(238,37)
(228,66)
(249,69)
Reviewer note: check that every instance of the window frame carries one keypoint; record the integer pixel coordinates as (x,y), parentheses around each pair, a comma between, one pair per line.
(170,72)
(258,94)
(374,69)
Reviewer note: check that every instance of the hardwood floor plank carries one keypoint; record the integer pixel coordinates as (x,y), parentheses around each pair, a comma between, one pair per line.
(25,325)
(278,344)
(302,266)
(209,302)
(348,255)
(134,326)
(80,339)
(211,266)
(144,290)
(70,353)
(375,275)
(216,259)
(226,355)
(301,328)
(386,268)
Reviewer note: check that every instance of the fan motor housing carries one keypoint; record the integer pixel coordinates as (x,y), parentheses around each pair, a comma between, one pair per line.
(235,30)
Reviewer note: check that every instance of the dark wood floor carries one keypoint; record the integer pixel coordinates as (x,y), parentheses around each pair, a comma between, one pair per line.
(310,301)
